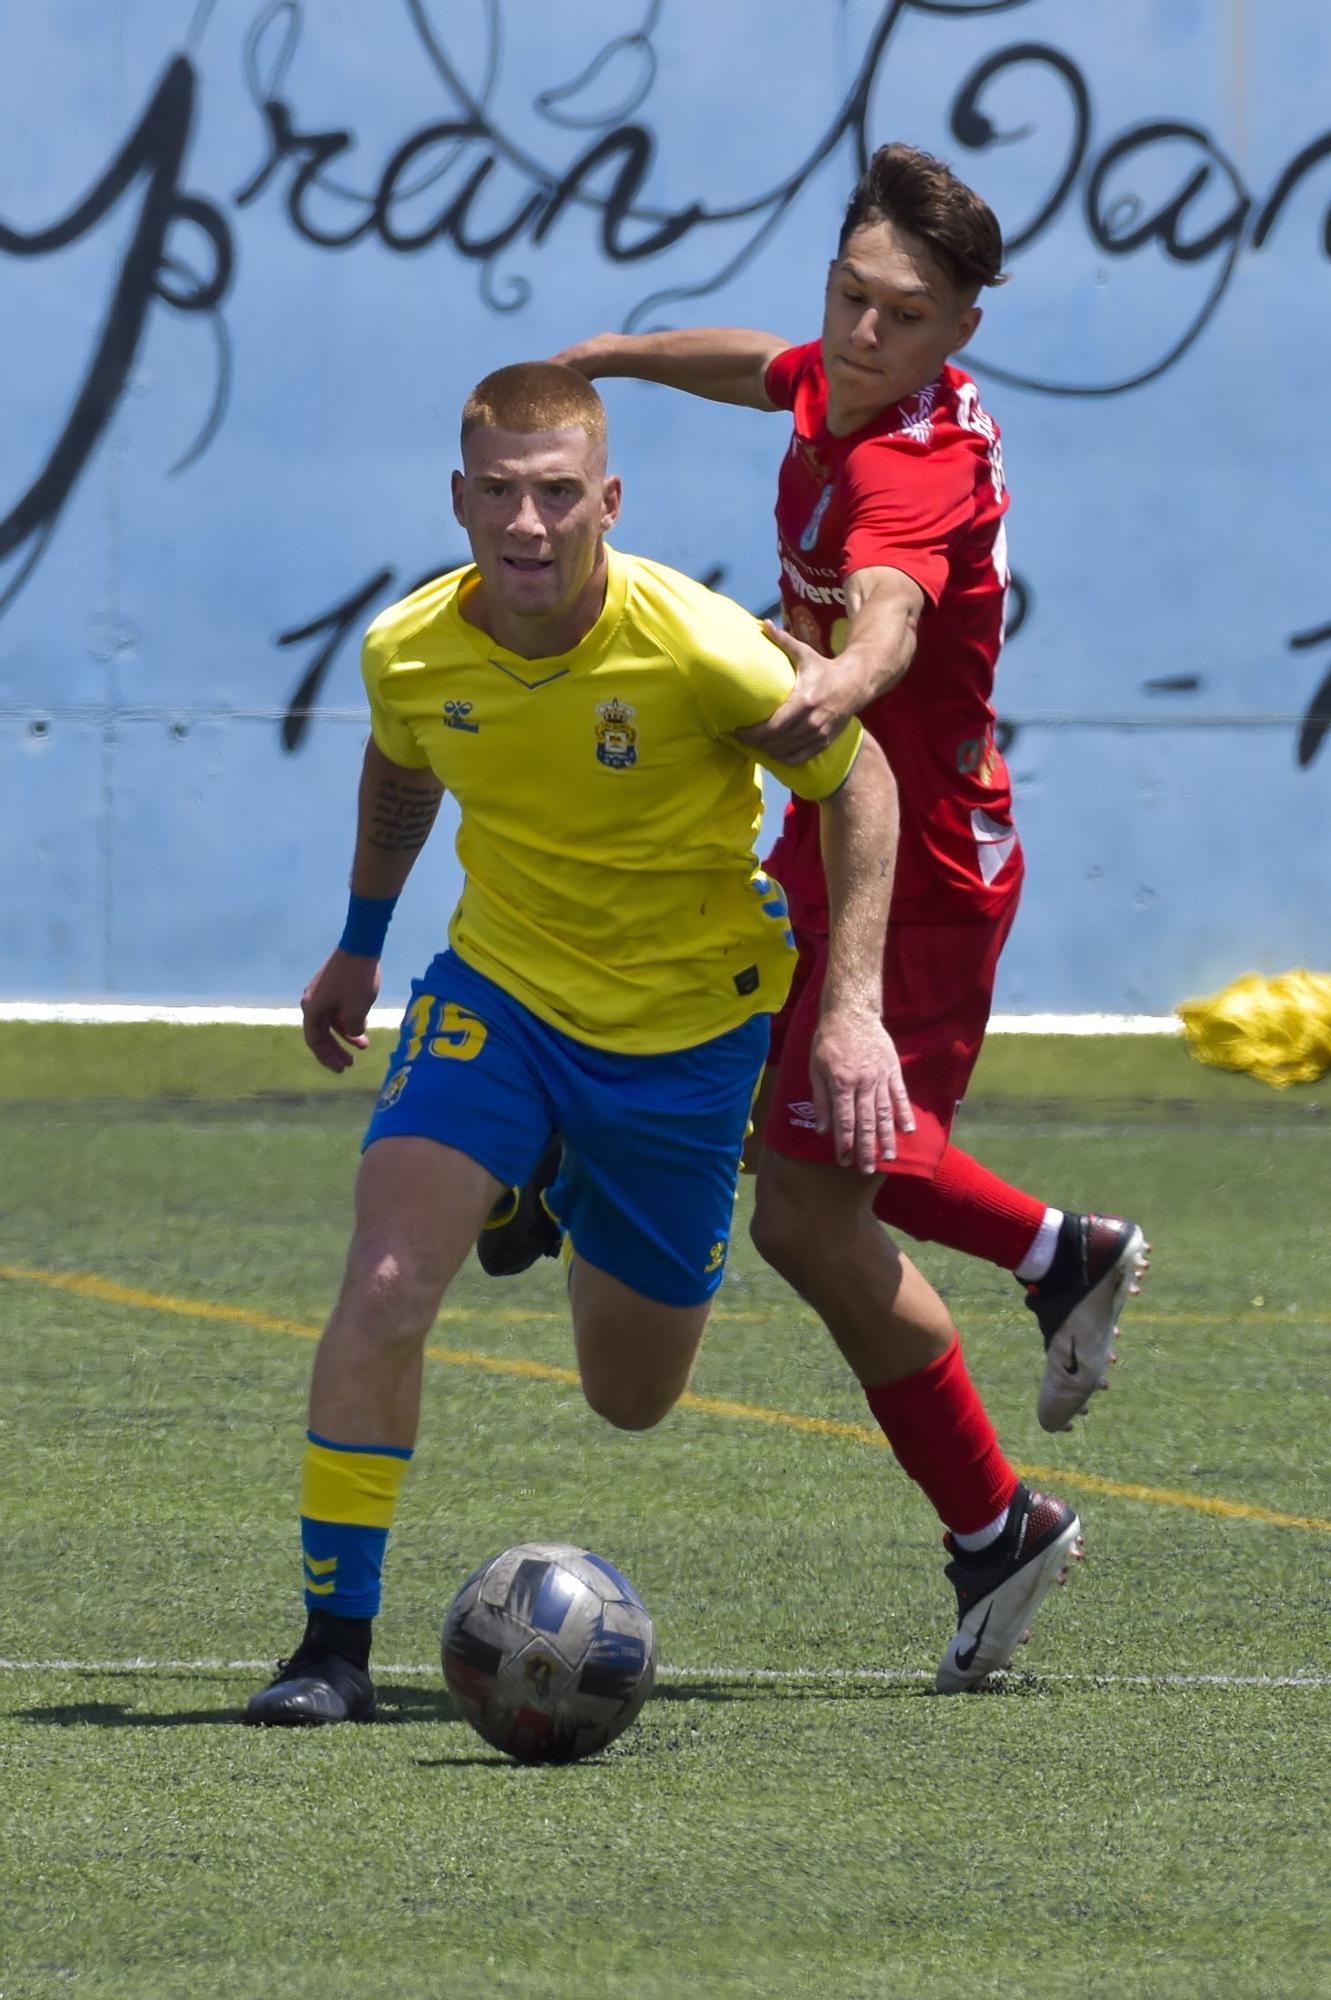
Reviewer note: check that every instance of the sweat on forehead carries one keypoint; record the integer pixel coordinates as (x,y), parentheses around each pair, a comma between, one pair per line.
(535,396)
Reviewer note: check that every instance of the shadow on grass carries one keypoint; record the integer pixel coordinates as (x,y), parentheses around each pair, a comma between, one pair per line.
(397,1704)
(1005,1687)
(423,1704)
(769,1692)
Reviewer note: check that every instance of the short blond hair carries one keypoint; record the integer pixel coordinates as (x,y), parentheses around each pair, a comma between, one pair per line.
(535,396)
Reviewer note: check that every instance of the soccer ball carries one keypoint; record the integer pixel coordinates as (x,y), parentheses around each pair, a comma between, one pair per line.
(548,1652)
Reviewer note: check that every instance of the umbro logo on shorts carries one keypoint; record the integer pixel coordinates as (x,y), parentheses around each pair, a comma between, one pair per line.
(805,1115)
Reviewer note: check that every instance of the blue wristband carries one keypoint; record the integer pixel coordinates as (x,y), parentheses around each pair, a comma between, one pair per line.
(367,925)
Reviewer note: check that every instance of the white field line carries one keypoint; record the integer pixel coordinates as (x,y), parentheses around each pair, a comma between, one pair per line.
(79,1013)
(739,1676)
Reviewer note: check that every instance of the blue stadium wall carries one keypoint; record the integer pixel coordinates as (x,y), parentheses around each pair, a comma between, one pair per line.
(253,256)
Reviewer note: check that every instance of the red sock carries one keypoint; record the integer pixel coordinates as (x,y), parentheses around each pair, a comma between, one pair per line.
(964,1207)
(940,1432)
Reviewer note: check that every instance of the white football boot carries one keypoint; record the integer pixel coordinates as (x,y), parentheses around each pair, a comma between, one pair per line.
(1000,1589)
(1078,1307)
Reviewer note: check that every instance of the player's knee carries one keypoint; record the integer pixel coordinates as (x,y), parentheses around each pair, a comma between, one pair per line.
(392,1292)
(629,1405)
(776,1233)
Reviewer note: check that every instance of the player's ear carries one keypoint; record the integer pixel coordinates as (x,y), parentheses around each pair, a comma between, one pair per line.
(966,328)
(612,494)
(458,489)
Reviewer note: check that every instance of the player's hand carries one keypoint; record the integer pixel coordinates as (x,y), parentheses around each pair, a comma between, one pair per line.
(859,1094)
(825,696)
(336,1005)
(584,355)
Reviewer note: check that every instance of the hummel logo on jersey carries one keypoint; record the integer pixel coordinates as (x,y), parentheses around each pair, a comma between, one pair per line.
(455,717)
(804,1115)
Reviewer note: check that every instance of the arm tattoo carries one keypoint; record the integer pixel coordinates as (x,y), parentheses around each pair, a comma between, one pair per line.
(401,816)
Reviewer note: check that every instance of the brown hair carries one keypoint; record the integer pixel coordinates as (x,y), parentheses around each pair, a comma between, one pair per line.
(924,199)
(535,396)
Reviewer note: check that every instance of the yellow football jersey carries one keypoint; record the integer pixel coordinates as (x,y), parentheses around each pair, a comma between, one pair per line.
(608,815)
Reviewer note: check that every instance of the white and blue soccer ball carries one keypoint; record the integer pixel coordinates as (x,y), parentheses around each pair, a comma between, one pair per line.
(549,1652)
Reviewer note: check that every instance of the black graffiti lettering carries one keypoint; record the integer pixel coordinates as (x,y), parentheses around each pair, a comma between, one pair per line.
(154,151)
(1317,719)
(451,223)
(1316,723)
(473,145)
(335,626)
(313,150)
(1298,169)
(472,185)
(1123,227)
(1119,223)
(634,146)
(337,622)
(630,146)
(206,293)
(972,126)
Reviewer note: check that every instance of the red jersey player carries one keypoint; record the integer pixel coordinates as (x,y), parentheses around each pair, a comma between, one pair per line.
(890,517)
(917,491)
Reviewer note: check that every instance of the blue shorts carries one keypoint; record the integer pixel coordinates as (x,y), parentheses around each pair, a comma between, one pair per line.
(651,1143)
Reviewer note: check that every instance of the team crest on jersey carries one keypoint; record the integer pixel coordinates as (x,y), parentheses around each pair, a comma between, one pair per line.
(616,738)
(394,1088)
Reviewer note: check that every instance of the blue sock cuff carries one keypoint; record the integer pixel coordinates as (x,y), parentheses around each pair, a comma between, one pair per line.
(343,1567)
(379,1450)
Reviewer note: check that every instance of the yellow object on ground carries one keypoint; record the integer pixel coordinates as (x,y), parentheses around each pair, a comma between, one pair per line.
(1277,1029)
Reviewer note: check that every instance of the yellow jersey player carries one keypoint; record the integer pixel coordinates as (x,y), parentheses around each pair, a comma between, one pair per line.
(612,967)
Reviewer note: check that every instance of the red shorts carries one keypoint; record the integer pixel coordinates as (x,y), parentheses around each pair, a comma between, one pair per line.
(938,984)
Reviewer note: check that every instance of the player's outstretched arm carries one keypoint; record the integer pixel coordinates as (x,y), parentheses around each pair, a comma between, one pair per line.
(858,1091)
(396,808)
(885,606)
(726,364)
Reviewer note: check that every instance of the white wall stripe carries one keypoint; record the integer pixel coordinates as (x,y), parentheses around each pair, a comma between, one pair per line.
(109,1013)
(739,1676)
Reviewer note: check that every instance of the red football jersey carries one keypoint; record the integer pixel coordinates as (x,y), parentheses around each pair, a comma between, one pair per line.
(920,489)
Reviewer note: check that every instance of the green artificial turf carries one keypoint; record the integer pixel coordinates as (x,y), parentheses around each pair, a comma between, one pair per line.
(1141,1812)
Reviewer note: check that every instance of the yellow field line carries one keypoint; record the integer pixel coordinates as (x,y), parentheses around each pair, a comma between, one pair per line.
(88,1285)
